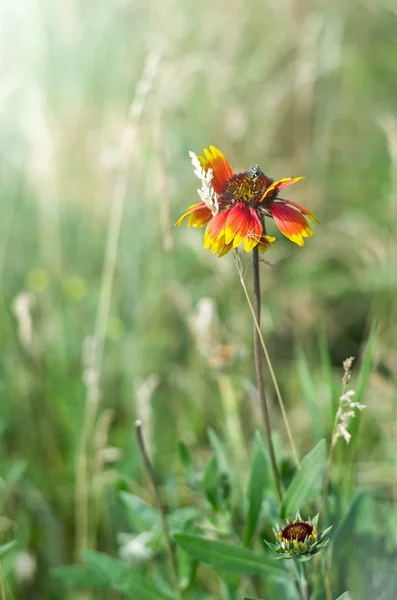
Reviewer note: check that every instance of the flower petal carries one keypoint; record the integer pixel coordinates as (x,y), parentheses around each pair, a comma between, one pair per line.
(237,224)
(243,224)
(215,160)
(279,185)
(254,232)
(290,222)
(216,230)
(224,249)
(264,242)
(199,214)
(303,210)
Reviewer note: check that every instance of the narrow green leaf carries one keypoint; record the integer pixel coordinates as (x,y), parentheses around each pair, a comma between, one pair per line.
(362,381)
(304,481)
(248,598)
(344,596)
(310,395)
(327,372)
(187,463)
(259,476)
(230,558)
(346,526)
(122,578)
(211,483)
(219,448)
(77,576)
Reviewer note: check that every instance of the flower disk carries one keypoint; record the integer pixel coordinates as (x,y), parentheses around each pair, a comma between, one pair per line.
(297,531)
(245,188)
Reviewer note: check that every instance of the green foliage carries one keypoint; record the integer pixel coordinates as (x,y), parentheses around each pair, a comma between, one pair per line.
(7,548)
(310,395)
(211,484)
(258,480)
(347,525)
(141,515)
(79,577)
(121,578)
(230,558)
(306,482)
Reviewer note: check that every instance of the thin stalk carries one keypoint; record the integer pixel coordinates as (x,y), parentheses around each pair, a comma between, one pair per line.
(296,578)
(161,508)
(304,582)
(269,364)
(329,466)
(327,574)
(2,588)
(259,373)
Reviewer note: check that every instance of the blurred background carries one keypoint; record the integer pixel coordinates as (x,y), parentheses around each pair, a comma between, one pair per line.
(109,313)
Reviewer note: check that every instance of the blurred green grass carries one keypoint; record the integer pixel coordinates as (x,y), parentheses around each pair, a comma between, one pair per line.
(300,88)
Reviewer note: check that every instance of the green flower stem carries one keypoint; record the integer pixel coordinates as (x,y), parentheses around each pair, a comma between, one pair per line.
(269,363)
(304,581)
(161,508)
(259,373)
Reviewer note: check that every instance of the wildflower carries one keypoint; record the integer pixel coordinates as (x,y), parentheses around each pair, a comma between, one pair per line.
(234,205)
(299,539)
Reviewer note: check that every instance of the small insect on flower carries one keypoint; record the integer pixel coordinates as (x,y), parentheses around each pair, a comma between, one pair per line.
(234,206)
(299,539)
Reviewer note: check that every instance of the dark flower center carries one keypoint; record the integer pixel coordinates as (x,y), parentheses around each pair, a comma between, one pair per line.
(247,187)
(297,531)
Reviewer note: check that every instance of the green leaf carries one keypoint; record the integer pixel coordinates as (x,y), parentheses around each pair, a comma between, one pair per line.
(187,569)
(310,396)
(122,578)
(181,518)
(211,483)
(187,463)
(141,515)
(304,481)
(259,476)
(6,548)
(248,598)
(327,372)
(346,526)
(230,558)
(77,576)
(344,596)
(218,447)
(362,382)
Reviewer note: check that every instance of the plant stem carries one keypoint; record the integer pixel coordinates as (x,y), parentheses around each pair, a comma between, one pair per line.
(304,582)
(259,373)
(2,588)
(328,473)
(161,508)
(269,363)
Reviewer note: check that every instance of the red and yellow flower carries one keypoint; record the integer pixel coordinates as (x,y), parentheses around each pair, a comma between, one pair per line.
(235,205)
